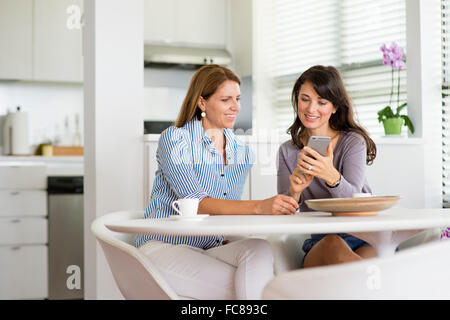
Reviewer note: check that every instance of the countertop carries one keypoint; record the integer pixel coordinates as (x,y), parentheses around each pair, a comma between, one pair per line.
(56,166)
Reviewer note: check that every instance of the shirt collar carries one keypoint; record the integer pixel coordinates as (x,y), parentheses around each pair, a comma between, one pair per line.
(195,127)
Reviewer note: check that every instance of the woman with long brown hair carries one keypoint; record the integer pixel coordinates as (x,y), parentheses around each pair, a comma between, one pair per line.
(200,158)
(323,108)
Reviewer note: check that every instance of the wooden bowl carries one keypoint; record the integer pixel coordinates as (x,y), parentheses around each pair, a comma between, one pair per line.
(366,206)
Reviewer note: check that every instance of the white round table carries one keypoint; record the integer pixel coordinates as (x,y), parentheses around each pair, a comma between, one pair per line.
(384,231)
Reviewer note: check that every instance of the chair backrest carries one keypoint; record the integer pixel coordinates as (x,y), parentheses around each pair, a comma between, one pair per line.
(135,275)
(415,273)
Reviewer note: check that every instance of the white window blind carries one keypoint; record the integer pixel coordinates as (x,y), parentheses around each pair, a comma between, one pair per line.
(346,34)
(446,102)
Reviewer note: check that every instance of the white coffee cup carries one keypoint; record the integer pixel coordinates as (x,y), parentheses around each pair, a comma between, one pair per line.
(186,207)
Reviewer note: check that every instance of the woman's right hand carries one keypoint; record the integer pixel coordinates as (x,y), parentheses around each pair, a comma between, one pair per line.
(299,182)
(280,204)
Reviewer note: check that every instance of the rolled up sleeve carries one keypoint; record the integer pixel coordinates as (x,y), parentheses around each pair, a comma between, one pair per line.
(174,157)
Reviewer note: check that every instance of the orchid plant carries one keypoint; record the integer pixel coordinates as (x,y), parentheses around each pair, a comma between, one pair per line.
(393,56)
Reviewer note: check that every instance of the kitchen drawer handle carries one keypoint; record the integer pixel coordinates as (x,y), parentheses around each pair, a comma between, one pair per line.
(15,221)
(15,193)
(16,248)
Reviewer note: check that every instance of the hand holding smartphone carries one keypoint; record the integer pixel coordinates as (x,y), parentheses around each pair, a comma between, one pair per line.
(319,144)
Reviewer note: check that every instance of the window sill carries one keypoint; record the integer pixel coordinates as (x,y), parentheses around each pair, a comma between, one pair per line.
(397,140)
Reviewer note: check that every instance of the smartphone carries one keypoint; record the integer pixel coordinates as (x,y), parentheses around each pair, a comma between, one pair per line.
(319,144)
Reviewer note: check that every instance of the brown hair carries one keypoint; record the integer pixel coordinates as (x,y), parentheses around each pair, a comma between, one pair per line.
(329,85)
(204,83)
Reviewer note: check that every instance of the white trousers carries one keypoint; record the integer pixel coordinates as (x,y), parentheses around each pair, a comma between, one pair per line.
(237,270)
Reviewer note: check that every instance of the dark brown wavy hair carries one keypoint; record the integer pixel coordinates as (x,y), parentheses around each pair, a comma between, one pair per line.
(328,84)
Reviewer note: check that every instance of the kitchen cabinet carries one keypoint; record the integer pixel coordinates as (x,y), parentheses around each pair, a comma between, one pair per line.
(41,40)
(57,40)
(23,231)
(24,272)
(16,39)
(200,23)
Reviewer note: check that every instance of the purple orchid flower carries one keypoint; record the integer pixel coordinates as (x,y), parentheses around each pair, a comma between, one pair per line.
(397,65)
(398,54)
(394,48)
(393,56)
(386,59)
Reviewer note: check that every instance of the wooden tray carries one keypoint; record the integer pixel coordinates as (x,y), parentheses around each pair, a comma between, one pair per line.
(67,151)
(366,206)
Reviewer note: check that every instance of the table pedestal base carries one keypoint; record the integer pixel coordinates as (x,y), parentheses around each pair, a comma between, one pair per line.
(385,242)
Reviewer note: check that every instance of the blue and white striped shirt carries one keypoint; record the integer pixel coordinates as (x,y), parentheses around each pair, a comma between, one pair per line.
(189,166)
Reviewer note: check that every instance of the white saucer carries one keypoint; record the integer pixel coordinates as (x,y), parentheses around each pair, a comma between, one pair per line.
(197,217)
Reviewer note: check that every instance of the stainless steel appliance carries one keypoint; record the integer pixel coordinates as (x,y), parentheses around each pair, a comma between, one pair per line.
(65,238)
(156,126)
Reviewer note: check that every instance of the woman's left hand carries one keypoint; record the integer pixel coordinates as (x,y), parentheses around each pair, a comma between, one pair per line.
(319,166)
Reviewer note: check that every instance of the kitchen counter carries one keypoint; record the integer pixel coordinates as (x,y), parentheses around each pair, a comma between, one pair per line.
(56,166)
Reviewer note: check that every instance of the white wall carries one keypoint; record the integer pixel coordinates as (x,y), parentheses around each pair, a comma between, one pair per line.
(113,104)
(424,91)
(390,175)
(47,105)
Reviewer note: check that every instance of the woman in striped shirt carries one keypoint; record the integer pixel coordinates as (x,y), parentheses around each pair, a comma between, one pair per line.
(201,158)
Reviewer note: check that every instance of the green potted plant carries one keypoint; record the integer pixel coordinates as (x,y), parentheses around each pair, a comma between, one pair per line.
(393,122)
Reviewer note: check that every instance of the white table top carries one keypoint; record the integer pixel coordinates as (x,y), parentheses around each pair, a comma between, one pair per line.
(304,223)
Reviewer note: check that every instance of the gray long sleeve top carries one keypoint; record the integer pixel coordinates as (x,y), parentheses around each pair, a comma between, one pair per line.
(349,159)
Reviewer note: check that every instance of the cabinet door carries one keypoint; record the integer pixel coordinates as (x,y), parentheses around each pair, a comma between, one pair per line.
(19,231)
(201,22)
(159,21)
(23,203)
(57,49)
(16,39)
(24,272)
(23,176)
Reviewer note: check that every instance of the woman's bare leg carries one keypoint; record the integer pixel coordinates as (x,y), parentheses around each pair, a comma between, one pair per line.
(366,252)
(332,249)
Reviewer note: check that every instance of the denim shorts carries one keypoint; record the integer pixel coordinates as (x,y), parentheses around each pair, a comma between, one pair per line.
(353,242)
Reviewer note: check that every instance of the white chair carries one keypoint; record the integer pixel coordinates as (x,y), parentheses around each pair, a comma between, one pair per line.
(415,273)
(135,275)
(287,251)
(137,278)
